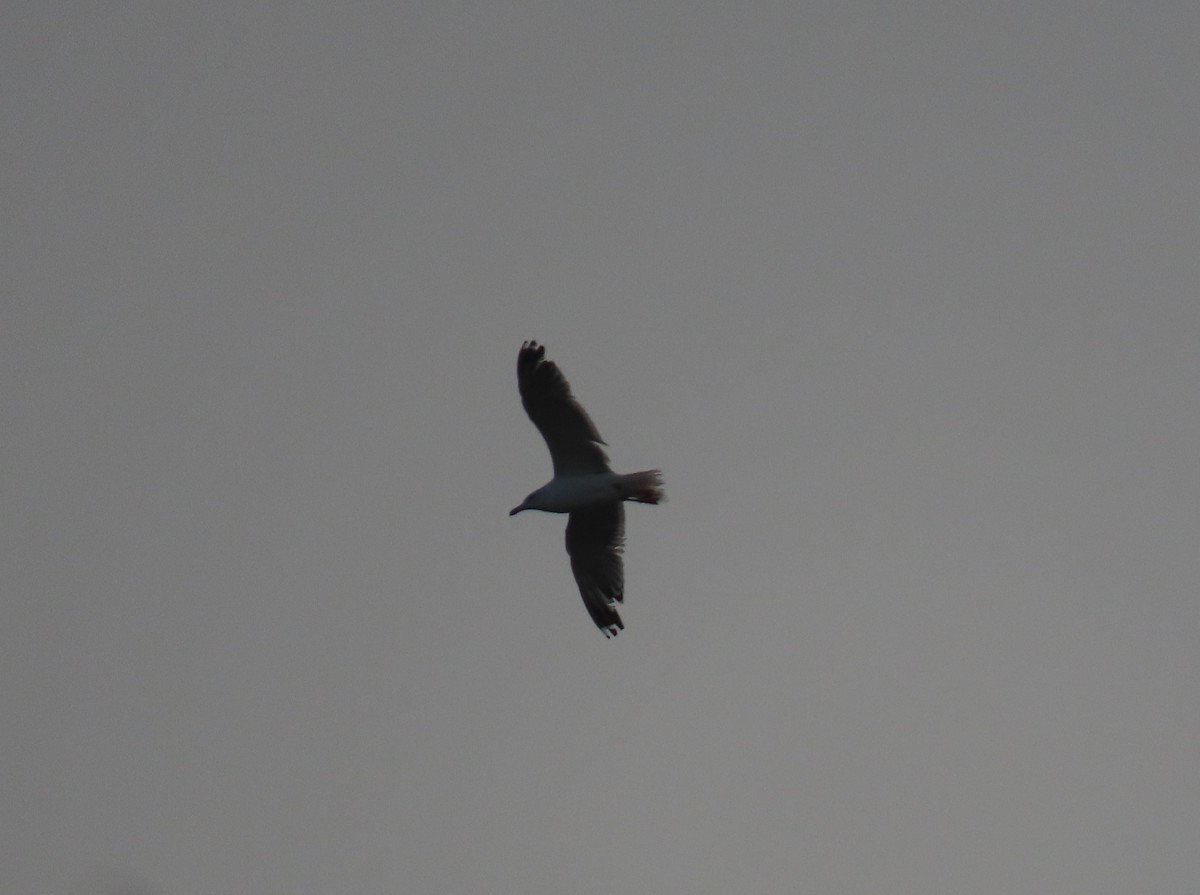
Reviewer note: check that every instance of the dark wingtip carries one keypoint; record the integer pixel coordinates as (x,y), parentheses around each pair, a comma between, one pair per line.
(612,627)
(530,355)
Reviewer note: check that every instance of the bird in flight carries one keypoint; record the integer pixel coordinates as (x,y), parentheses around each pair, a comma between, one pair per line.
(583,486)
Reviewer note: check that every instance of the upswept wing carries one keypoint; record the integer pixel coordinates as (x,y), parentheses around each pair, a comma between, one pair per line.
(595,538)
(569,432)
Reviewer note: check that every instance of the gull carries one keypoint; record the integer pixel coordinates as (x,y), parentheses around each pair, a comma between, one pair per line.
(583,487)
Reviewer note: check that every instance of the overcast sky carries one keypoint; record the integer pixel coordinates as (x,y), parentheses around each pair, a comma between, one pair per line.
(902,298)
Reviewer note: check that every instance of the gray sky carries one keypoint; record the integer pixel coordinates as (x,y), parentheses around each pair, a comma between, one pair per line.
(901,297)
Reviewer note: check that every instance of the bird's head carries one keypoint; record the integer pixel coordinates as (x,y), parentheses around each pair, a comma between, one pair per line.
(526,504)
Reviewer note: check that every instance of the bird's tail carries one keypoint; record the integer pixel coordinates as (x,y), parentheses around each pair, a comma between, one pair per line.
(644,487)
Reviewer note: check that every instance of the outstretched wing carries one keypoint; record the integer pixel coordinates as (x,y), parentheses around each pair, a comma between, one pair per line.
(569,432)
(595,537)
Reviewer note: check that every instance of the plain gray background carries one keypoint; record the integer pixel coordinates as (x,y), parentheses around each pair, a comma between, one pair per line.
(902,297)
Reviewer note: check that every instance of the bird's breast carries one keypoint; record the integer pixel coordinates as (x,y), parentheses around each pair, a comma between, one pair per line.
(566,493)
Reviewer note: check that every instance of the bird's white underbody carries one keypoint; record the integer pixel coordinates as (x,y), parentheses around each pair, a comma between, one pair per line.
(575,492)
